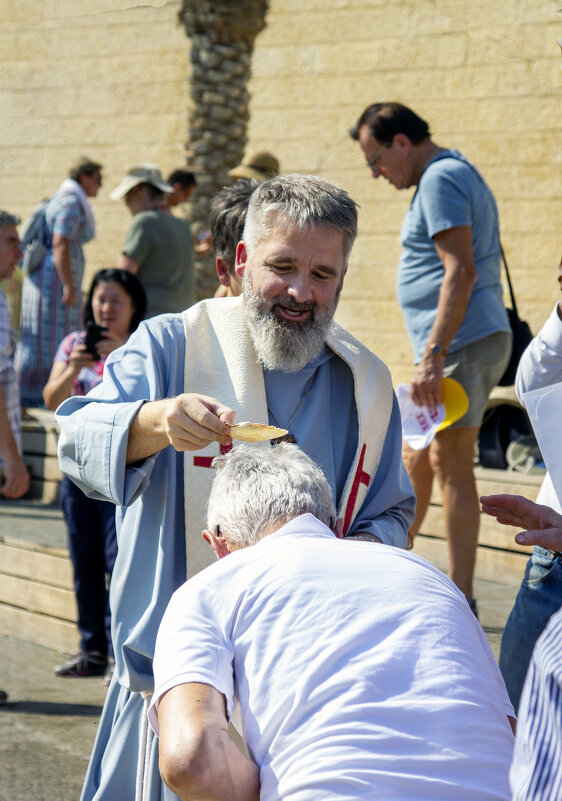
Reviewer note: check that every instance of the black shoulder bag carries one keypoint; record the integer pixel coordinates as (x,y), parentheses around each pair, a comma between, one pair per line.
(521,334)
(505,423)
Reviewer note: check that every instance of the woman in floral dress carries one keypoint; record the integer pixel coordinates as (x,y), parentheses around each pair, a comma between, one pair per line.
(51,305)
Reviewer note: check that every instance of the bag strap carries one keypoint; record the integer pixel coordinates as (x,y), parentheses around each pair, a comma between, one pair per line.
(513,303)
(450,155)
(47,235)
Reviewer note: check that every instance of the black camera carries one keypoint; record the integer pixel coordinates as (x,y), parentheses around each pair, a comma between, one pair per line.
(94,333)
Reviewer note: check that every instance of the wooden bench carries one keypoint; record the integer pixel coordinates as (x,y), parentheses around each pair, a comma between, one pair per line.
(37,602)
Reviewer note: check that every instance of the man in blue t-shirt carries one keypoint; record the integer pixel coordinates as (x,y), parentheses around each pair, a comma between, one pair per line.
(450,294)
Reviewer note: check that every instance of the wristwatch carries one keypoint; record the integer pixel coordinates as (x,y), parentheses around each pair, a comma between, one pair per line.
(436,350)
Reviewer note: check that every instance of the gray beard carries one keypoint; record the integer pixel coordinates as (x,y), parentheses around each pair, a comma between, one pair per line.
(280,345)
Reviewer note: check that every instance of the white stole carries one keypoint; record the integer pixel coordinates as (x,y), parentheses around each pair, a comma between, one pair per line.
(220,361)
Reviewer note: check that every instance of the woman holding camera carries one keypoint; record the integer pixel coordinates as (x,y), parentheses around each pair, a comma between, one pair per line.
(116,305)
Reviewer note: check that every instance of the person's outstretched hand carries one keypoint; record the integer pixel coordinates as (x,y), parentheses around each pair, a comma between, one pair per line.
(543,526)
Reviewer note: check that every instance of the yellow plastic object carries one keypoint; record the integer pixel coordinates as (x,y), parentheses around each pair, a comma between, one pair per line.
(455,401)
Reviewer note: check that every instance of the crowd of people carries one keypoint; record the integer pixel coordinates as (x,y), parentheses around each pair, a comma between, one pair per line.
(116,303)
(352,668)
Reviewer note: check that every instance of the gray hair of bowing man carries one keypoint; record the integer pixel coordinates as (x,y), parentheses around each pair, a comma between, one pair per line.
(258,489)
(307,201)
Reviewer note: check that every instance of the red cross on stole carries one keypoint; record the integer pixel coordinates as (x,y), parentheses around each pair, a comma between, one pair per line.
(360,477)
(206,461)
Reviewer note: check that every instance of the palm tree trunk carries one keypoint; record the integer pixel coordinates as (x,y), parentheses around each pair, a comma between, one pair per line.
(222,36)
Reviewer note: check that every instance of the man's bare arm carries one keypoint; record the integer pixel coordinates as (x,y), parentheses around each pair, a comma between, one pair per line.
(454,248)
(16,477)
(125,262)
(188,422)
(198,760)
(63,266)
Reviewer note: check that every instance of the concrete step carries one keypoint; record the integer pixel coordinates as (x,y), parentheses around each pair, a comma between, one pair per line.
(39,445)
(37,601)
(45,630)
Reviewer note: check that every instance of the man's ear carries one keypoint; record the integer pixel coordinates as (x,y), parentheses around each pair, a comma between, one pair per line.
(222,271)
(241,259)
(403,141)
(218,544)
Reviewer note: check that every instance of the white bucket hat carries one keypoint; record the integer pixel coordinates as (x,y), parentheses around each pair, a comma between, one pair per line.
(143,174)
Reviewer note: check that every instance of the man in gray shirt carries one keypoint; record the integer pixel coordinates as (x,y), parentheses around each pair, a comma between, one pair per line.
(159,246)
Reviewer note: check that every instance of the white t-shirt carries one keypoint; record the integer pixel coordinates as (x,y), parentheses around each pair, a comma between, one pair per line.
(541,366)
(359,669)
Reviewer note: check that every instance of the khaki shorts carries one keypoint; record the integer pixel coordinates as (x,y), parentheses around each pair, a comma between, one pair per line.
(478,368)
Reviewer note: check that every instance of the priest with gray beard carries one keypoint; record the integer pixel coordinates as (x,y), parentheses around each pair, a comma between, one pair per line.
(145,438)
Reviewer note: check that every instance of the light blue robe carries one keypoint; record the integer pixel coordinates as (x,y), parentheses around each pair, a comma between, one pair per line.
(150,563)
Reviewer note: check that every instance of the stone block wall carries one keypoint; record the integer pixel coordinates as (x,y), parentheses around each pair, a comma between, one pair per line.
(110,79)
(486,76)
(104,78)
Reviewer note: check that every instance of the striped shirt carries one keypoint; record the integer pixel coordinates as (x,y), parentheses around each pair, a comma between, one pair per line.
(7,375)
(536,772)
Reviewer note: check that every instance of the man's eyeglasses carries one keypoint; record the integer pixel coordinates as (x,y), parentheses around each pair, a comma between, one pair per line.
(372,162)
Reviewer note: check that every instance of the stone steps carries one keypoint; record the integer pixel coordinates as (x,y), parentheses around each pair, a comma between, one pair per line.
(37,601)
(39,443)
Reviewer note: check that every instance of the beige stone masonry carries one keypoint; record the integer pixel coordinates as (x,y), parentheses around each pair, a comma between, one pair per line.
(111,79)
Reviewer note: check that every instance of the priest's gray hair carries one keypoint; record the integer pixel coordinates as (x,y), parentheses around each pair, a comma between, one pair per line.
(259,488)
(306,200)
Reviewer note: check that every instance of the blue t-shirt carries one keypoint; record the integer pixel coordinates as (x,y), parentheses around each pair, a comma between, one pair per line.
(451,193)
